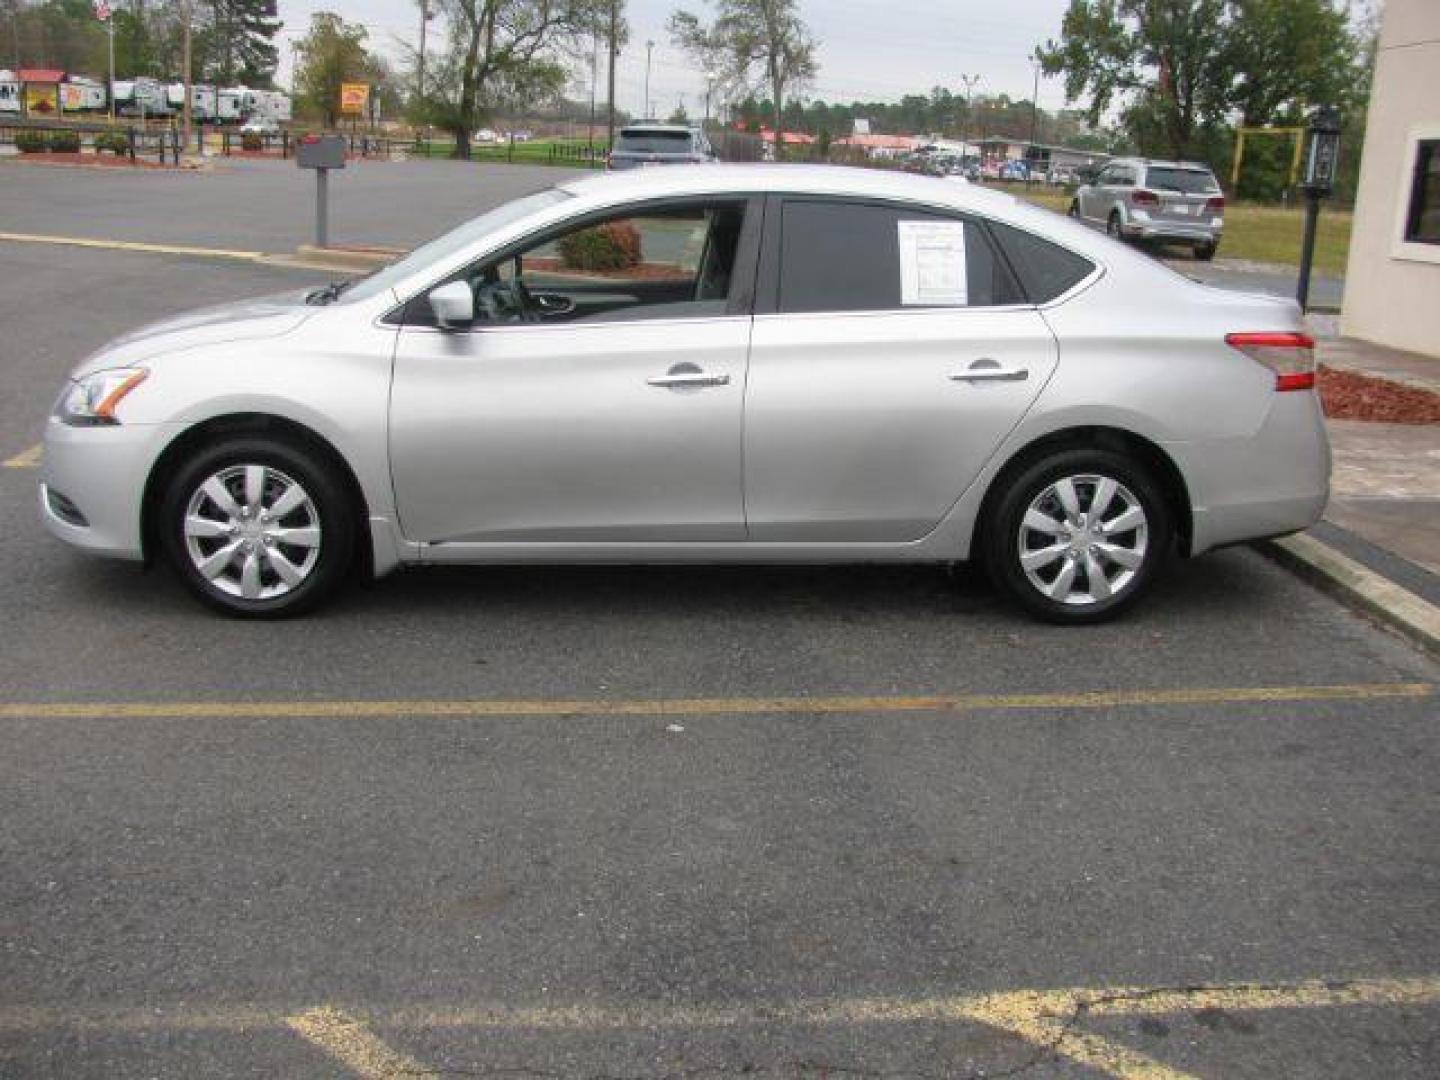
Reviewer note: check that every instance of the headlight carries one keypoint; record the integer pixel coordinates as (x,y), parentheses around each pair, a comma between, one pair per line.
(90,401)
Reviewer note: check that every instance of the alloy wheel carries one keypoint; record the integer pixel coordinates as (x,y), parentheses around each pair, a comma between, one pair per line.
(252,532)
(1082,539)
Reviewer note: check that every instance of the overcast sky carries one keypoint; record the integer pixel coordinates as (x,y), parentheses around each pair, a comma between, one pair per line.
(869,49)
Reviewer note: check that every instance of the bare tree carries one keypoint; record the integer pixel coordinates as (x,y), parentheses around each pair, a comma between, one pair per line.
(506,52)
(749,36)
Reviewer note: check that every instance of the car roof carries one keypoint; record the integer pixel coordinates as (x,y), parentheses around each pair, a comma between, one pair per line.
(683,180)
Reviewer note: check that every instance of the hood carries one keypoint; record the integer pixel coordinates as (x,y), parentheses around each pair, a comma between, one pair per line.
(243,320)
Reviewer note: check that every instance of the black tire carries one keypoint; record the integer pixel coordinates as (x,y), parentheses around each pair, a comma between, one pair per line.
(1205,252)
(328,508)
(1074,210)
(1112,226)
(1002,539)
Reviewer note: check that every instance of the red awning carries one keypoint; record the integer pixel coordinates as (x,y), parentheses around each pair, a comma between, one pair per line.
(28,75)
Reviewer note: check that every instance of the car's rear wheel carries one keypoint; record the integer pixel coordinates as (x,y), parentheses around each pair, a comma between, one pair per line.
(1112,225)
(258,528)
(1074,210)
(1077,536)
(1205,252)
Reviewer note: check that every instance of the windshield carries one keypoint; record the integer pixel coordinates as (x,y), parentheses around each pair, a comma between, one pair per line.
(654,142)
(1185,181)
(455,240)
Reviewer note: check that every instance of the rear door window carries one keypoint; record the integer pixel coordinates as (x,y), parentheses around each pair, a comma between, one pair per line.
(847,256)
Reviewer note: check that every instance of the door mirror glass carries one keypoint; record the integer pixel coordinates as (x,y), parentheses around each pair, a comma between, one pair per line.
(454,305)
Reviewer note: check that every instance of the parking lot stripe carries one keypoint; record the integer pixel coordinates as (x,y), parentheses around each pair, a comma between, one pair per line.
(26,459)
(661,707)
(131,245)
(353,1044)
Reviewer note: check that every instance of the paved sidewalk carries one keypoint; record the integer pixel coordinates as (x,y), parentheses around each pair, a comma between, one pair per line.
(1379,544)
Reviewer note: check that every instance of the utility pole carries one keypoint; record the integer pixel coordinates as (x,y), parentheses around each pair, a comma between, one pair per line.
(614,43)
(420,69)
(969,82)
(649,48)
(1034,116)
(185,109)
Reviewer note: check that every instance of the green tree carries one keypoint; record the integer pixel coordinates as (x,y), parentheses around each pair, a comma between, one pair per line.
(1168,61)
(333,52)
(748,35)
(1288,54)
(241,42)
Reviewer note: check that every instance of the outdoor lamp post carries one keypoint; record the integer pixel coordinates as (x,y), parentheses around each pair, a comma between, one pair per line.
(1321,164)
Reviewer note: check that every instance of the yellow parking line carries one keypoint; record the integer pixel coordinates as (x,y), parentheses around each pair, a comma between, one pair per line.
(131,245)
(26,459)
(1050,1020)
(474,709)
(351,1043)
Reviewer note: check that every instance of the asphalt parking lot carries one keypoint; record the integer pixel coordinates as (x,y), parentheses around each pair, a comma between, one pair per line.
(676,822)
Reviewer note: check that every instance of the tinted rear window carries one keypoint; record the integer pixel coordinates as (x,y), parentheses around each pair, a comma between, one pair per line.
(1186,181)
(838,256)
(654,142)
(1046,270)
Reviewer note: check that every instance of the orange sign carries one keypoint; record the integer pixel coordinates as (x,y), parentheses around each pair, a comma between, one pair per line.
(354,97)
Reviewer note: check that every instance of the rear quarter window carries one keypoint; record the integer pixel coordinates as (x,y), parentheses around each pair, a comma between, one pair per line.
(1045,270)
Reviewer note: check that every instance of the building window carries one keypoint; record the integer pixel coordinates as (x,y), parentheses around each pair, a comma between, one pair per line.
(1422,219)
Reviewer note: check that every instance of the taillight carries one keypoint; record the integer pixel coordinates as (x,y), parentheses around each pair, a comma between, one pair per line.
(1215,202)
(1141,197)
(1291,356)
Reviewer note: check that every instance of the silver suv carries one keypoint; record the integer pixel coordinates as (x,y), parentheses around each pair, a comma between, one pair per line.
(1177,202)
(660,144)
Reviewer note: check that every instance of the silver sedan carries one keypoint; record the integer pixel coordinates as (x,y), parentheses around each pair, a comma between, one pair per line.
(709,364)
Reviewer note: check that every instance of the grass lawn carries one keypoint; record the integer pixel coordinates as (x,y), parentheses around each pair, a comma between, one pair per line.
(534,152)
(1269,234)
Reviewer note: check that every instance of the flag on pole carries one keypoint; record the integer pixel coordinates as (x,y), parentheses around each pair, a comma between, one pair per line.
(102,10)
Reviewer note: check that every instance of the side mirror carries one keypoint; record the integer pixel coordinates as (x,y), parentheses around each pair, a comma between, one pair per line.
(454,305)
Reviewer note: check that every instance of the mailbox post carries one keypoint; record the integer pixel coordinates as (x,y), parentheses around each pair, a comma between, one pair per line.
(1321,164)
(321,153)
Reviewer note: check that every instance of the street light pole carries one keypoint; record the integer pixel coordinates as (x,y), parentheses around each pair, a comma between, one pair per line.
(649,48)
(420,67)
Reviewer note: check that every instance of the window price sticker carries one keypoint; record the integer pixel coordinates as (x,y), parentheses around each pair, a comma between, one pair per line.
(932,264)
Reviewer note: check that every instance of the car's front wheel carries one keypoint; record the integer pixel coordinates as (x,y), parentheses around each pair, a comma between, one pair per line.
(1077,536)
(1206,252)
(258,528)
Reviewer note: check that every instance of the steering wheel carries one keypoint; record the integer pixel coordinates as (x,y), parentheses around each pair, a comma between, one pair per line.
(526,310)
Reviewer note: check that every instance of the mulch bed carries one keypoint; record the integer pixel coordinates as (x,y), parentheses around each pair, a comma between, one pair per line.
(107,160)
(1347,396)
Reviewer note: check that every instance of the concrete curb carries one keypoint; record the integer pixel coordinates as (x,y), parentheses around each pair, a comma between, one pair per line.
(1360,587)
(347,258)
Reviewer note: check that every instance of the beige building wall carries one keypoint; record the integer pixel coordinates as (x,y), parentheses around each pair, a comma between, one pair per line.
(1392,289)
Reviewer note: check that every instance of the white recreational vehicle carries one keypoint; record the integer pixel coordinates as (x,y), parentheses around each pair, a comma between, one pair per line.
(80,94)
(227,104)
(141,97)
(9,93)
(202,101)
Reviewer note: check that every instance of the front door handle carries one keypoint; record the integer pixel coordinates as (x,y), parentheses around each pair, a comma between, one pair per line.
(688,378)
(988,370)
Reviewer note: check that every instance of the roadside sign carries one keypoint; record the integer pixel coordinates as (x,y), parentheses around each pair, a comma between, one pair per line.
(354,98)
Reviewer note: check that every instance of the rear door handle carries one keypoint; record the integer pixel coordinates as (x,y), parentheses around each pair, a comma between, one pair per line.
(983,371)
(688,378)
